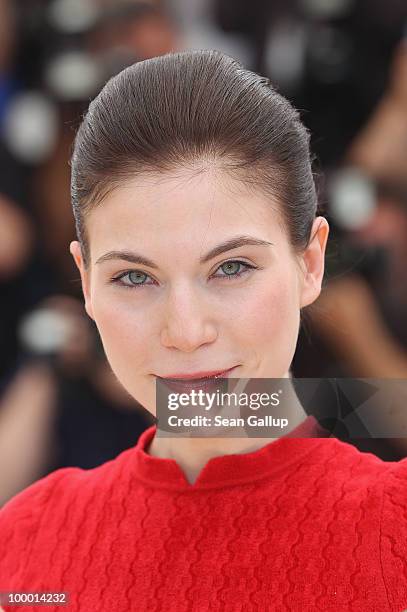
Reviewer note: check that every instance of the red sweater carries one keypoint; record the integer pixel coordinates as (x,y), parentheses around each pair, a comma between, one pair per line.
(301,524)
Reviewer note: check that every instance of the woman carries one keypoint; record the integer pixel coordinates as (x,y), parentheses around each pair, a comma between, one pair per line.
(198,246)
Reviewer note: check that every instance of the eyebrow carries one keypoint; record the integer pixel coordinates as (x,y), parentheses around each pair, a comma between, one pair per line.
(228,245)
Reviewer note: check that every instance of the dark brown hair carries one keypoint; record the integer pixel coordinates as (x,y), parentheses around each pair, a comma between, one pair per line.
(183,108)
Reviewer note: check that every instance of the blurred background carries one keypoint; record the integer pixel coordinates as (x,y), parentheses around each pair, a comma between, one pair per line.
(343,63)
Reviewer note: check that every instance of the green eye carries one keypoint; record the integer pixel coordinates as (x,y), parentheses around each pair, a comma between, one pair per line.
(137,275)
(137,279)
(232,269)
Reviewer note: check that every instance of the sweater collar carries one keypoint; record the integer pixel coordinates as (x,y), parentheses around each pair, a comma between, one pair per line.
(228,470)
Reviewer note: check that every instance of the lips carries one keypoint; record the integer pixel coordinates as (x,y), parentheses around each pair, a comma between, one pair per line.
(187,382)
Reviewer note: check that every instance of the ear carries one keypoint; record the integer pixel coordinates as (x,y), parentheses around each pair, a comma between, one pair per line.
(313,262)
(76,253)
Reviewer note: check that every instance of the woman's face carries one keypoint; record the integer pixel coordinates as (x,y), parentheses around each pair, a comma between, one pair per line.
(194,306)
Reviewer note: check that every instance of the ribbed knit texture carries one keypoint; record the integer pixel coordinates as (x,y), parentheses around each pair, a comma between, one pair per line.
(301,524)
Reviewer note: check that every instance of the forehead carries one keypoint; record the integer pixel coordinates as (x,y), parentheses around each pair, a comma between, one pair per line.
(182,206)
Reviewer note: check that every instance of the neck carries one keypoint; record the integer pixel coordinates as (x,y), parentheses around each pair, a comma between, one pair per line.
(192,454)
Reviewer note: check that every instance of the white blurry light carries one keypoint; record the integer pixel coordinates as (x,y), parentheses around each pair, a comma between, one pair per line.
(352,198)
(285,54)
(44,331)
(73,16)
(73,75)
(30,128)
(326,9)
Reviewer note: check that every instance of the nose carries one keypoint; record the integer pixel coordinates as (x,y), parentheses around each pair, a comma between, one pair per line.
(187,322)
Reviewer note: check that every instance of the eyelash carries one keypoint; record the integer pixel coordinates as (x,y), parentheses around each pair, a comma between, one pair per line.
(117,279)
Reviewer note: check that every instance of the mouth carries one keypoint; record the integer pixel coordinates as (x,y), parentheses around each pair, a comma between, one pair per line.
(185,383)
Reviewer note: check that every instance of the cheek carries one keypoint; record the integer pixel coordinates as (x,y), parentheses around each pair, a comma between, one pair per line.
(269,325)
(125,336)
(271,308)
(126,339)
